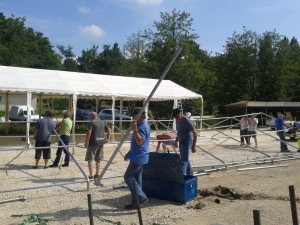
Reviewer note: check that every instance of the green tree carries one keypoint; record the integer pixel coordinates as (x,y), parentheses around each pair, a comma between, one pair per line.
(237,68)
(88,60)
(68,57)
(22,46)
(111,60)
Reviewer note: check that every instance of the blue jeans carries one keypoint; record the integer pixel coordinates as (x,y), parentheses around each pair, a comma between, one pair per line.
(283,146)
(184,149)
(134,173)
(66,141)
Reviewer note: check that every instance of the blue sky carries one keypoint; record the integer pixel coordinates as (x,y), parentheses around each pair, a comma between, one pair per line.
(82,23)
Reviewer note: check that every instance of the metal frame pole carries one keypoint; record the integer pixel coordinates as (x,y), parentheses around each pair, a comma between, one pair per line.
(97,181)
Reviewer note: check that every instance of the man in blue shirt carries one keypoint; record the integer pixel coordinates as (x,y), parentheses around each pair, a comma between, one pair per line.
(138,156)
(279,124)
(187,138)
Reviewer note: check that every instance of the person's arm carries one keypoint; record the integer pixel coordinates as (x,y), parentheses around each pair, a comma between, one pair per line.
(35,133)
(108,133)
(87,138)
(137,137)
(176,142)
(194,140)
(58,125)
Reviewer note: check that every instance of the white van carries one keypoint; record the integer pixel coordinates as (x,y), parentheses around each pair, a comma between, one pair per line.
(19,113)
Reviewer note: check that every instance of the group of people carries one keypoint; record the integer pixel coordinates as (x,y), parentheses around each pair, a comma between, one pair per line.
(248,127)
(94,141)
(139,151)
(138,154)
(42,136)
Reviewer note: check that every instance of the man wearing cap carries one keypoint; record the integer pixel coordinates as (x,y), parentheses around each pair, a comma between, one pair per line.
(187,138)
(138,156)
(64,127)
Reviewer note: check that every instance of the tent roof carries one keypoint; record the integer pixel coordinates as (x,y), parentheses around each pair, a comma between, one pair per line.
(54,82)
(263,104)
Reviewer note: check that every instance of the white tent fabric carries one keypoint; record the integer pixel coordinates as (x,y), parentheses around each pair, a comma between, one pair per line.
(17,80)
(23,80)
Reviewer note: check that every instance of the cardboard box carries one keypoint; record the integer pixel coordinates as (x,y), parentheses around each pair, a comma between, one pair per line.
(163,179)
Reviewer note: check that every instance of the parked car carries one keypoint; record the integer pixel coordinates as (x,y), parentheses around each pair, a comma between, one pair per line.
(83,114)
(125,109)
(19,113)
(106,114)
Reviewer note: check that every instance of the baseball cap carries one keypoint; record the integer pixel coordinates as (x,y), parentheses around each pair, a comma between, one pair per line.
(137,110)
(176,112)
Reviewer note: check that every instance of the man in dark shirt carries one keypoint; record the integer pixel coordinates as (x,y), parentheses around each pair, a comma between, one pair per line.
(42,137)
(94,142)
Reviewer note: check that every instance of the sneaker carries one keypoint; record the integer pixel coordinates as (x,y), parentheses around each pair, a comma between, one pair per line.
(96,176)
(144,201)
(131,207)
(91,177)
(65,165)
(53,165)
(286,151)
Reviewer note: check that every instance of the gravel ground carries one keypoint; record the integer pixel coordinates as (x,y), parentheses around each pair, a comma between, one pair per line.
(230,196)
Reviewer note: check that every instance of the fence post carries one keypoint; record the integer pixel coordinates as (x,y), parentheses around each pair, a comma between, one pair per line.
(256,217)
(293,205)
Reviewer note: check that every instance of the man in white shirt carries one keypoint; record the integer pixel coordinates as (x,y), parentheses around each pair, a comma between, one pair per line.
(253,121)
(244,124)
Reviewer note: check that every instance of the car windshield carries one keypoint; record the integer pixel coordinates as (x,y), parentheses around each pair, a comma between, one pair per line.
(109,111)
(32,112)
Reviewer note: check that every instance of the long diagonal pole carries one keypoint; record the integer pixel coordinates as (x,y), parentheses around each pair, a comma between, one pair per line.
(97,181)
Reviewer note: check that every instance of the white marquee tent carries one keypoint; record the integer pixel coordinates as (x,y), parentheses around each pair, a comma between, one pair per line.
(41,82)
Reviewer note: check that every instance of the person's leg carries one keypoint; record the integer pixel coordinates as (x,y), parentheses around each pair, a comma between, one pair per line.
(134,174)
(184,149)
(89,159)
(164,148)
(46,153)
(283,146)
(38,153)
(98,158)
(255,139)
(242,136)
(90,166)
(66,140)
(58,155)
(247,137)
(174,148)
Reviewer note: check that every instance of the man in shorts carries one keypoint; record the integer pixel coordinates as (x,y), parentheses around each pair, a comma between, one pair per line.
(94,141)
(253,121)
(42,137)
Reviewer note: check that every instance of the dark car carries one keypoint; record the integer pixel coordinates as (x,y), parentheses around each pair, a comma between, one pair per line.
(83,114)
(106,114)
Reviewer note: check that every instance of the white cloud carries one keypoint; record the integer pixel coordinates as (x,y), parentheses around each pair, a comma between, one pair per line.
(92,31)
(149,2)
(84,10)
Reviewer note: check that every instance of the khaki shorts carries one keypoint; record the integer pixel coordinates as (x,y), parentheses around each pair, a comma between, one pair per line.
(94,152)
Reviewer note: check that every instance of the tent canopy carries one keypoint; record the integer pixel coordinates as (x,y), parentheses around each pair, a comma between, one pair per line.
(54,82)
(262,104)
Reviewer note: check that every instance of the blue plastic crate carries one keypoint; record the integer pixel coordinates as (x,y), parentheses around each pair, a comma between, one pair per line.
(163,179)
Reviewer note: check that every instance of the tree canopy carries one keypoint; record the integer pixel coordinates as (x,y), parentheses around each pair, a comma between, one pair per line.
(257,67)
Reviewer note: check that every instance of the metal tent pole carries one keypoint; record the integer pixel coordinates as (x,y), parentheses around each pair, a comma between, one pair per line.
(97,181)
